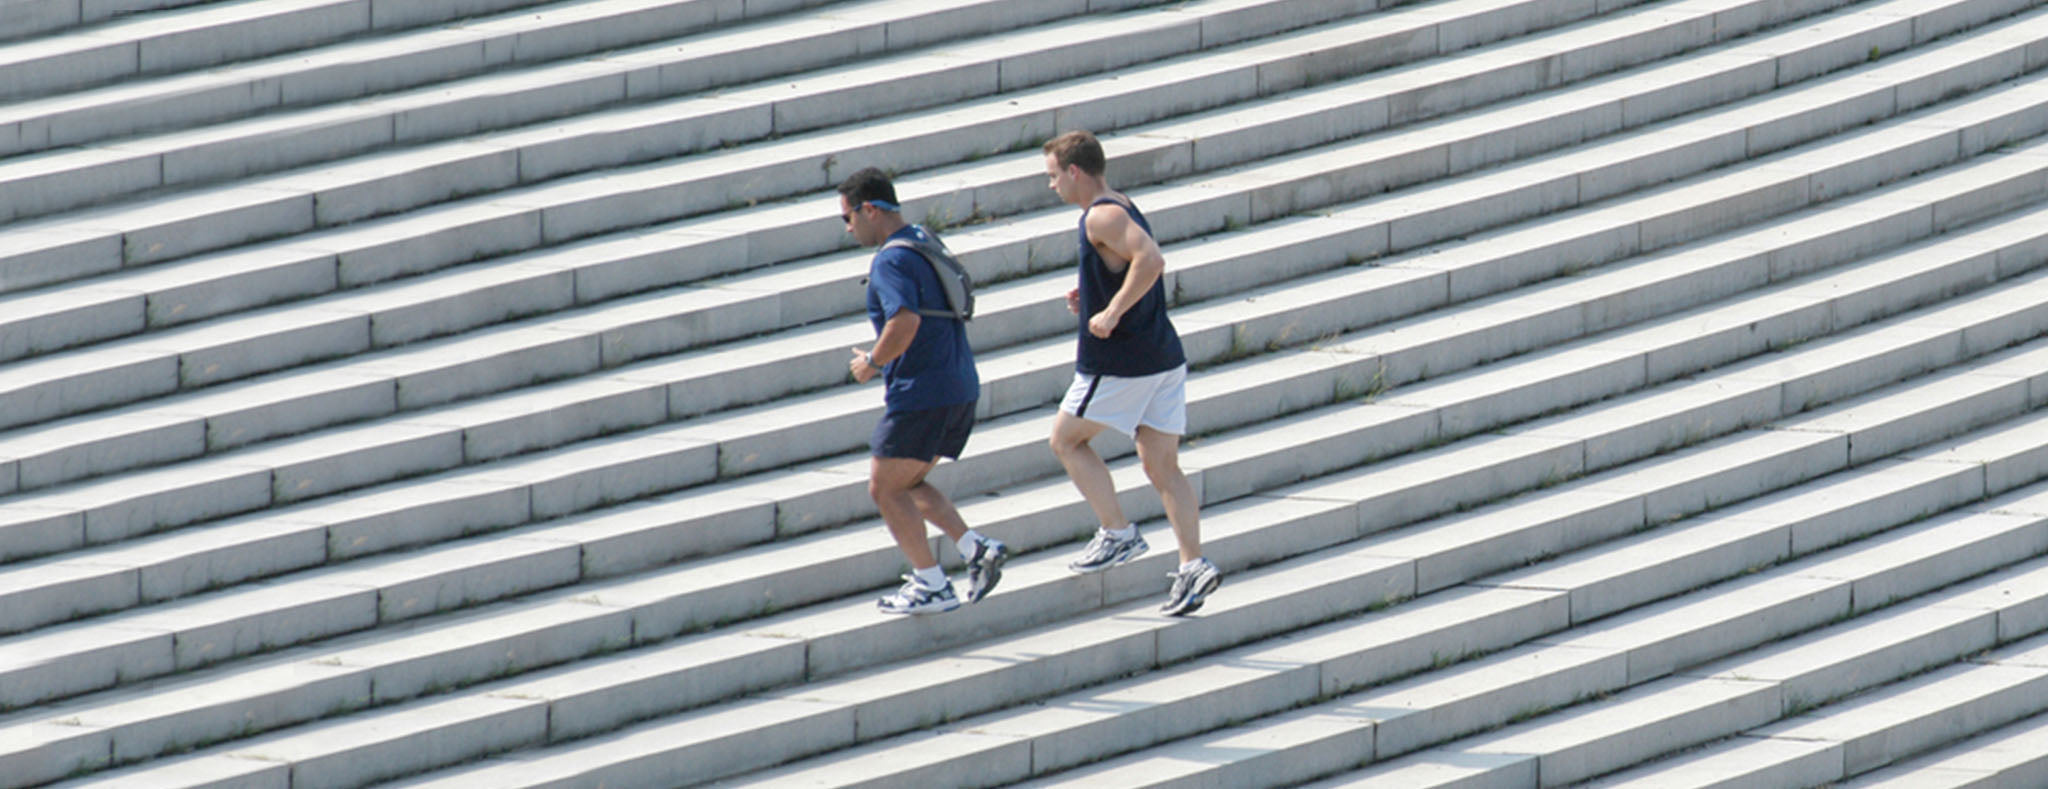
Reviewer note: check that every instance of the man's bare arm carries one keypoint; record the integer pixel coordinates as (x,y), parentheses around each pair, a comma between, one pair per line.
(894,340)
(1115,233)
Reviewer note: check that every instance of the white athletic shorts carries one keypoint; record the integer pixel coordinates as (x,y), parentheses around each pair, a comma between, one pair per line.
(1158,401)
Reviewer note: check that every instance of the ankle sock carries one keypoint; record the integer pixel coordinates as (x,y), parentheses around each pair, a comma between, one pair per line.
(968,542)
(932,577)
(1125,533)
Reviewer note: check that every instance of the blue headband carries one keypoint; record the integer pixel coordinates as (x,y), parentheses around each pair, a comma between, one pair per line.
(885,205)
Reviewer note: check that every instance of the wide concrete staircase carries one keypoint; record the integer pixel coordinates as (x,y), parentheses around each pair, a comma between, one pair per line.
(453,393)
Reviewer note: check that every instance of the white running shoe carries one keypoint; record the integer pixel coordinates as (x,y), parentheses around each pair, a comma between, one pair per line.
(985,568)
(1106,551)
(1191,587)
(913,597)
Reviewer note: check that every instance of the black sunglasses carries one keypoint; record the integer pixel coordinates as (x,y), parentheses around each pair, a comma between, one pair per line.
(847,218)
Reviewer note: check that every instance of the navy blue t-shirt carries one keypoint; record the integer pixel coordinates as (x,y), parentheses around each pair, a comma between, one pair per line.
(938,368)
(1144,342)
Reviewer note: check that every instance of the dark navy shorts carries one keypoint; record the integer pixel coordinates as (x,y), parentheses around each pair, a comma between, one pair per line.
(923,435)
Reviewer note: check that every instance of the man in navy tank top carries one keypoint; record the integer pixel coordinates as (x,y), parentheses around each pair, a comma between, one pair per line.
(929,391)
(1130,373)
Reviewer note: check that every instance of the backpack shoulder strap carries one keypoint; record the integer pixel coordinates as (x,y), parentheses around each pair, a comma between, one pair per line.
(953,278)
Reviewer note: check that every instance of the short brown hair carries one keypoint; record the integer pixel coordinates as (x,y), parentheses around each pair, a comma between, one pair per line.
(867,184)
(1077,148)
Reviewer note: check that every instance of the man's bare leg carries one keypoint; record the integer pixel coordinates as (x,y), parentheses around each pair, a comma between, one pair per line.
(891,482)
(937,509)
(1160,454)
(1070,437)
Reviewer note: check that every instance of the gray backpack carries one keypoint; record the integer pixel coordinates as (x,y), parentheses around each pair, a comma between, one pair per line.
(953,277)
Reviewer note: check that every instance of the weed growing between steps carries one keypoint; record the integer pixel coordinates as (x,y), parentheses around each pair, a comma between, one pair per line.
(1343,391)
(941,220)
(1798,705)
(84,768)
(249,729)
(1032,143)
(1530,712)
(1240,349)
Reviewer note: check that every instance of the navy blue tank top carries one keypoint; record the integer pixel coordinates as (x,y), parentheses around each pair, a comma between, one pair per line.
(1144,342)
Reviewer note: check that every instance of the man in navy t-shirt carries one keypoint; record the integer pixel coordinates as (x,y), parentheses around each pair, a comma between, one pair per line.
(929,392)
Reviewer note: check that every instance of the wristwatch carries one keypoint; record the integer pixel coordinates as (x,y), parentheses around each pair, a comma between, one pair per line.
(869,360)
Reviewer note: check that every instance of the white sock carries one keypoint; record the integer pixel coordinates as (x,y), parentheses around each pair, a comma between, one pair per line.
(1125,533)
(1190,564)
(968,542)
(932,577)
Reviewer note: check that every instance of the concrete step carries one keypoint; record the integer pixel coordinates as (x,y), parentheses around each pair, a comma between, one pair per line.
(212,285)
(1930,632)
(1558,748)
(2012,755)
(563,50)
(506,496)
(312,133)
(1570,746)
(526,582)
(34,17)
(210,35)
(398,591)
(1856,654)
(387,184)
(1739,761)
(188,427)
(857,642)
(1916,715)
(1294,748)
(977,665)
(35,245)
(1502,261)
(1631,572)
(548,279)
(560,483)
(1033,739)
(395,98)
